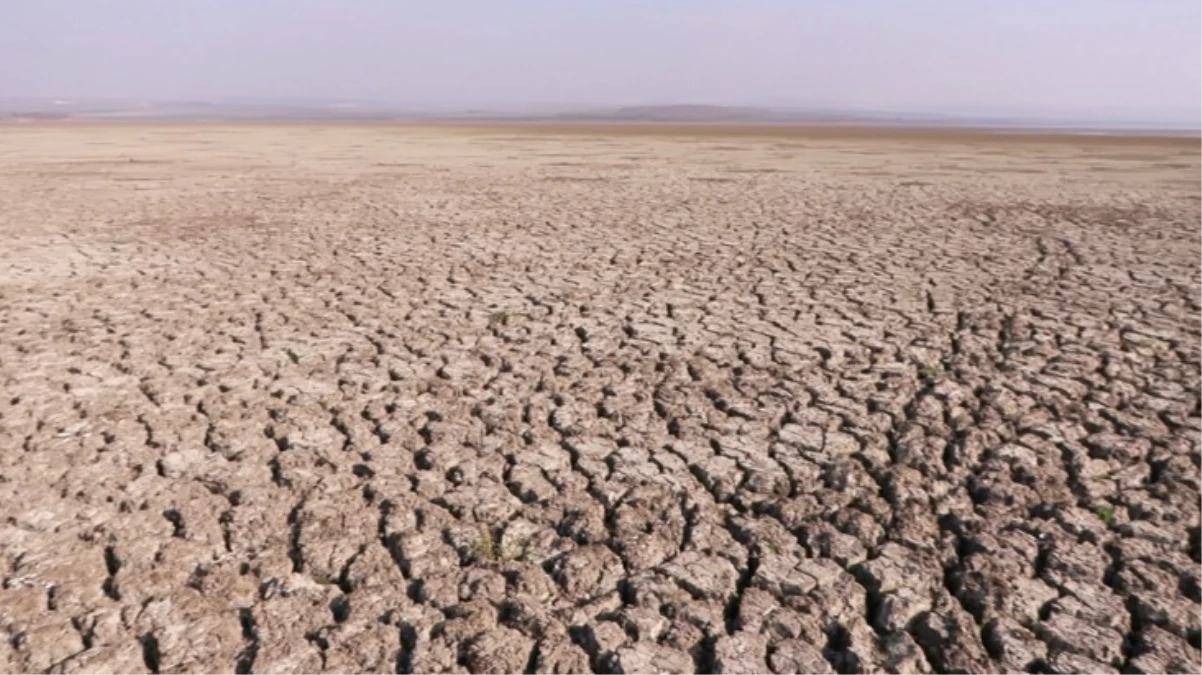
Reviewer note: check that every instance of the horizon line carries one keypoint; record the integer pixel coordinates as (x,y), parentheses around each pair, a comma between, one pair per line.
(952,112)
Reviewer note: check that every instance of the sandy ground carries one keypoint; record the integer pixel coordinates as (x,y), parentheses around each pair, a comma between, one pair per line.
(385,399)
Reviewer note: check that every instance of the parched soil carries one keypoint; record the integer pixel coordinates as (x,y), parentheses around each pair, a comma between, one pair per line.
(385,399)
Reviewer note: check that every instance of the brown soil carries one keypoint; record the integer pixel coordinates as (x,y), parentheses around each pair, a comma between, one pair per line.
(389,399)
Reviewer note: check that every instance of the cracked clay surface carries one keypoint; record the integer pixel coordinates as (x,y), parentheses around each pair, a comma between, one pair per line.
(372,399)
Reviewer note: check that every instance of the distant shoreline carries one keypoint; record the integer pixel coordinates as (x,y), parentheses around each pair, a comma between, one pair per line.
(695,116)
(948,132)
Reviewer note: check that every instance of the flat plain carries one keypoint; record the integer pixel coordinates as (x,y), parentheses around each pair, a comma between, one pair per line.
(290,398)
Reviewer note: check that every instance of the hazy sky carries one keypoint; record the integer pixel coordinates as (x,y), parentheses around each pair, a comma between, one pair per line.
(1101,58)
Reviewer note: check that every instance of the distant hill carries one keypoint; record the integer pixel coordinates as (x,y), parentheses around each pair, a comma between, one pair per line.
(39,116)
(358,111)
(713,114)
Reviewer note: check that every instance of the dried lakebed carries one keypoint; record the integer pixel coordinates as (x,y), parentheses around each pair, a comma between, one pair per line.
(377,399)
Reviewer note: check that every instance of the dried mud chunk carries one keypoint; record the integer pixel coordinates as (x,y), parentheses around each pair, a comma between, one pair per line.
(654,590)
(433,657)
(685,637)
(481,583)
(528,482)
(995,579)
(898,568)
(645,624)
(373,569)
(708,532)
(524,540)
(827,542)
(282,624)
(704,576)
(602,638)
(425,553)
(834,599)
(440,589)
(557,654)
(488,503)
(798,656)
(1079,522)
(720,475)
(158,567)
(590,460)
(532,617)
(838,444)
(190,632)
(844,480)
(461,369)
(709,617)
(649,524)
(549,458)
(531,580)
(1069,662)
(23,604)
(1159,651)
(1097,605)
(691,452)
(1015,648)
(588,571)
(486,468)
(1157,598)
(369,647)
(784,575)
(900,654)
(567,421)
(46,645)
(332,530)
(228,580)
(764,479)
(466,620)
(766,535)
(895,610)
(741,653)
(181,463)
(1125,449)
(632,465)
(1064,632)
(126,657)
(951,639)
(1022,599)
(805,476)
(652,658)
(577,613)
(583,519)
(756,605)
(237,439)
(1142,529)
(500,650)
(808,437)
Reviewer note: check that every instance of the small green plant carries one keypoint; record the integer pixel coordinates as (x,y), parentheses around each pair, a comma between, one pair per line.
(930,372)
(772,547)
(487,547)
(1106,514)
(513,550)
(498,318)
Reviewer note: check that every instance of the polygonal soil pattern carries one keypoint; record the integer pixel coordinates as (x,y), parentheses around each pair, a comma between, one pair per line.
(382,399)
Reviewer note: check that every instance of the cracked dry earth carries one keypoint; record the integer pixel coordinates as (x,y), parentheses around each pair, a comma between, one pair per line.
(351,398)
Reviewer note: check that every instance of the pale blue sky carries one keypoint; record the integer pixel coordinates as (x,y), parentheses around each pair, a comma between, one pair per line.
(1095,58)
